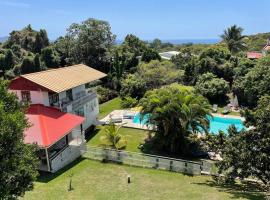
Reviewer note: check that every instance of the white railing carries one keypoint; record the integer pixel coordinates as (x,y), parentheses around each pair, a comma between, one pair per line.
(145,160)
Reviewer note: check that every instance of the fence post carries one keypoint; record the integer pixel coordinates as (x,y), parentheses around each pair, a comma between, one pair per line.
(171,165)
(185,167)
(157,164)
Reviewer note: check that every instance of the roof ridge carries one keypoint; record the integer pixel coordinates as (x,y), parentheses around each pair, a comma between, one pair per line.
(49,70)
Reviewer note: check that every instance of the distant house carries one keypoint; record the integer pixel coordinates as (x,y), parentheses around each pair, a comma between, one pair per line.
(168,55)
(254,55)
(267,46)
(258,55)
(62,107)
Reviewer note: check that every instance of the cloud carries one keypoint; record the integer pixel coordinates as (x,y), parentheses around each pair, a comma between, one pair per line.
(15,4)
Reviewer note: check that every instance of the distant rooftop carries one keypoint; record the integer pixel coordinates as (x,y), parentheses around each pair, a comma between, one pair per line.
(168,54)
(254,55)
(62,79)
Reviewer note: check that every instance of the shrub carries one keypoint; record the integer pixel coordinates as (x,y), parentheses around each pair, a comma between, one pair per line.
(105,94)
(129,102)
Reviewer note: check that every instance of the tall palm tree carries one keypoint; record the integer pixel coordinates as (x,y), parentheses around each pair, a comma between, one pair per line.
(233,37)
(177,113)
(112,138)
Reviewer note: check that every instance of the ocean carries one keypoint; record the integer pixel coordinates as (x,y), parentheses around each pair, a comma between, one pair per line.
(184,41)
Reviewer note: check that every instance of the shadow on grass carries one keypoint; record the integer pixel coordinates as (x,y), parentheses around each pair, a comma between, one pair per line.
(247,190)
(46,177)
(90,133)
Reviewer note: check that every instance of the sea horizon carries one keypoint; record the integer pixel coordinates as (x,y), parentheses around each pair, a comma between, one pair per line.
(182,41)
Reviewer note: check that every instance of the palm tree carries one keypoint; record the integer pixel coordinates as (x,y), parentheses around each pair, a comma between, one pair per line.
(177,113)
(112,138)
(233,37)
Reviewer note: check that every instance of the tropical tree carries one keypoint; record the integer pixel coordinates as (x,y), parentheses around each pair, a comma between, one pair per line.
(246,154)
(18,161)
(150,54)
(233,38)
(177,113)
(91,43)
(112,138)
(213,88)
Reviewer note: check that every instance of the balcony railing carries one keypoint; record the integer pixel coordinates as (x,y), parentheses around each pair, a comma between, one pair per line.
(81,99)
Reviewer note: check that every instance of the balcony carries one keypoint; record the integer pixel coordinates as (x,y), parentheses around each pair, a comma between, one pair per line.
(80,99)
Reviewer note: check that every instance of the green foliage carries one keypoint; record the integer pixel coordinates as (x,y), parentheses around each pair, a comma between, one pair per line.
(9,60)
(246,154)
(134,45)
(90,43)
(18,161)
(156,74)
(30,64)
(133,86)
(177,114)
(50,57)
(112,138)
(129,102)
(150,54)
(233,38)
(257,42)
(215,89)
(105,94)
(252,86)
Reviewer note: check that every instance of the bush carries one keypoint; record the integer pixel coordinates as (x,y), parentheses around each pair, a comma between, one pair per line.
(129,102)
(213,88)
(105,94)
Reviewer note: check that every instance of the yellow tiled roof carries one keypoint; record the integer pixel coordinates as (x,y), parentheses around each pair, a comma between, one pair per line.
(61,79)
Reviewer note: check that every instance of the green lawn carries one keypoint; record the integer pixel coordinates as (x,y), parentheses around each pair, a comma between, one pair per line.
(220,109)
(94,180)
(134,137)
(109,106)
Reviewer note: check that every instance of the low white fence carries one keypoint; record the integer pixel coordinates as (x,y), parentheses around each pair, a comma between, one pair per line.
(147,160)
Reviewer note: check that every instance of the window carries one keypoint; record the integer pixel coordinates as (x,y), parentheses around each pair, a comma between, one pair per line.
(53,98)
(26,96)
(69,94)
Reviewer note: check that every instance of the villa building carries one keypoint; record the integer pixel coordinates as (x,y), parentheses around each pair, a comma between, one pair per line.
(62,107)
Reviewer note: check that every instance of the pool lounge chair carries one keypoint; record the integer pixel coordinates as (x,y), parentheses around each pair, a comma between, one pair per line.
(226,110)
(215,108)
(128,115)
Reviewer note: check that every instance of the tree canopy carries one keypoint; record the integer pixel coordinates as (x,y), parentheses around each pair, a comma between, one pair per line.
(178,113)
(18,161)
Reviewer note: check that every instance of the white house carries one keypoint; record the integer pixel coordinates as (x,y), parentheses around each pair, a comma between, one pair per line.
(62,107)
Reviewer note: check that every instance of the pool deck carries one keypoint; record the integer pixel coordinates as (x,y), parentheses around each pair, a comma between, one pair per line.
(118,119)
(228,116)
(118,115)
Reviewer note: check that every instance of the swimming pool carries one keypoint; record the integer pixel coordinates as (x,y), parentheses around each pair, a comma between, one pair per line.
(216,123)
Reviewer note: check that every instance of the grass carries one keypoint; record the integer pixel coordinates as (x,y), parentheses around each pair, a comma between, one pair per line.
(106,181)
(109,106)
(220,109)
(134,137)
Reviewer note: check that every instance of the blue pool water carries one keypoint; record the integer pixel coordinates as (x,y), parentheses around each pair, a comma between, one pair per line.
(216,123)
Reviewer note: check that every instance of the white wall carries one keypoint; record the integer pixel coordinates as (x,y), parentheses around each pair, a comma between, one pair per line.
(39,97)
(91,110)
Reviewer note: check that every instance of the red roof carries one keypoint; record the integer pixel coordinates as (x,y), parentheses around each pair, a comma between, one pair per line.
(254,55)
(48,125)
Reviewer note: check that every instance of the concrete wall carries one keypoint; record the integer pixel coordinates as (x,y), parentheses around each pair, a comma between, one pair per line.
(91,111)
(65,157)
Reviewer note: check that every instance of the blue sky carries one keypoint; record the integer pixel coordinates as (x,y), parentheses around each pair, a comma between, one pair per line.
(148,19)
